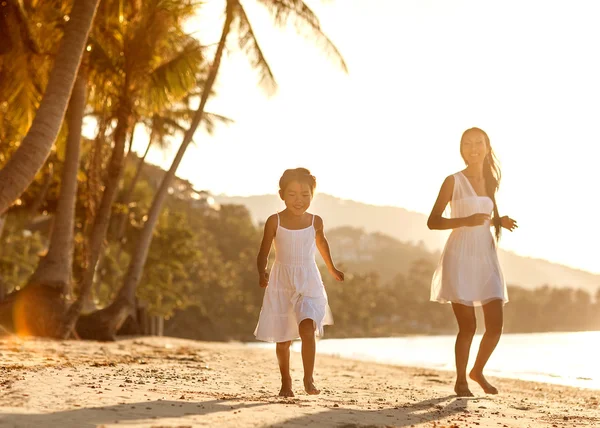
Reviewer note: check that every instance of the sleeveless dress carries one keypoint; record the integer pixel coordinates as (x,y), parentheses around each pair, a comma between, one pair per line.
(295,291)
(469,271)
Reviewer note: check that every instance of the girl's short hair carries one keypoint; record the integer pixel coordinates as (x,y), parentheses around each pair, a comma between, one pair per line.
(301,175)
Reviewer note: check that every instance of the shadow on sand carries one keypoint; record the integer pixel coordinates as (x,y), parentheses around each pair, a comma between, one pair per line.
(433,410)
(91,417)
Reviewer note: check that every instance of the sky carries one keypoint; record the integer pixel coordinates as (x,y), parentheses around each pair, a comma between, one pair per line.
(420,73)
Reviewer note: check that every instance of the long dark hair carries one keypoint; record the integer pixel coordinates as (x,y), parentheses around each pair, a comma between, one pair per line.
(491,175)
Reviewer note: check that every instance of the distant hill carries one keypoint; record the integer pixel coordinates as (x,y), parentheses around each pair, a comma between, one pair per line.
(410,227)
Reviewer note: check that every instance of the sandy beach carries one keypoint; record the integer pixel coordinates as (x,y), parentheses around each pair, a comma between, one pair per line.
(164,382)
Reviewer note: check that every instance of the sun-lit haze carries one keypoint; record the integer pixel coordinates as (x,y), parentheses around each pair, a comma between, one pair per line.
(420,72)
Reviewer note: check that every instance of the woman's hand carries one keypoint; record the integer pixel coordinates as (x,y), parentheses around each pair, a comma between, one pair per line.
(508,223)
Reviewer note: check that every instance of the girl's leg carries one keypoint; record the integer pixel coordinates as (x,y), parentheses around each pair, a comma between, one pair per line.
(307,334)
(283,358)
(494,319)
(467,324)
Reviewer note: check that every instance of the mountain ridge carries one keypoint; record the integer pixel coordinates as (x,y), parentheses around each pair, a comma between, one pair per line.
(410,226)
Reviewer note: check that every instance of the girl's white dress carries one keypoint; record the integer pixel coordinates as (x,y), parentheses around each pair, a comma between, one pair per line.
(295,291)
(469,272)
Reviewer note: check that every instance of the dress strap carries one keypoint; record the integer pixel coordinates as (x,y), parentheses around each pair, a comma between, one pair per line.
(278,219)
(313,220)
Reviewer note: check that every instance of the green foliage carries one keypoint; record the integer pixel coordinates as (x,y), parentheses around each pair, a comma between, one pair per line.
(19,255)
(171,267)
(33,30)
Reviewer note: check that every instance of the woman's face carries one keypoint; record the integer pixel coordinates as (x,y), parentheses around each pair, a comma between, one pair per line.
(474,148)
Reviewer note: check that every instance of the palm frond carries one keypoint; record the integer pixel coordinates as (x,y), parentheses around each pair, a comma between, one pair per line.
(307,24)
(99,58)
(176,77)
(249,45)
(211,120)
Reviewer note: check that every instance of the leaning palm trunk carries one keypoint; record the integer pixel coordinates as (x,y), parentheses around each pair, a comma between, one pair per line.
(102,219)
(27,160)
(103,324)
(41,305)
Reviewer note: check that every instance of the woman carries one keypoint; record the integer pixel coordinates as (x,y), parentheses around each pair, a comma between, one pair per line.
(469,273)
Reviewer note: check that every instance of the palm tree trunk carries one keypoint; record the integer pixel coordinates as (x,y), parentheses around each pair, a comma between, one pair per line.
(2,283)
(27,160)
(127,197)
(130,142)
(113,178)
(2,224)
(55,269)
(102,219)
(103,324)
(41,196)
(42,302)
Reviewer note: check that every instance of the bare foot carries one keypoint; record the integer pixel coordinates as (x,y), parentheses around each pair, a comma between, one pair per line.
(485,385)
(310,387)
(286,388)
(462,389)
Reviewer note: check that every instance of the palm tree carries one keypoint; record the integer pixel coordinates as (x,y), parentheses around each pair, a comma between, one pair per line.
(144,65)
(26,161)
(52,277)
(140,63)
(104,323)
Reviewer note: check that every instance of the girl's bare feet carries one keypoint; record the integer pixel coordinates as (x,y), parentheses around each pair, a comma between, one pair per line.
(286,388)
(310,387)
(485,385)
(462,389)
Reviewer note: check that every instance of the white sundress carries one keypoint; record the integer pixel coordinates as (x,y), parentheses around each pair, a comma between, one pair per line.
(469,272)
(295,291)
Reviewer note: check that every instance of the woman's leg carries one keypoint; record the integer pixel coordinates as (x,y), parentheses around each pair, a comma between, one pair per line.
(494,319)
(467,324)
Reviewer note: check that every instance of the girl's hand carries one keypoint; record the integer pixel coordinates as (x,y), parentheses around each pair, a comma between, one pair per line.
(476,220)
(263,279)
(508,223)
(337,274)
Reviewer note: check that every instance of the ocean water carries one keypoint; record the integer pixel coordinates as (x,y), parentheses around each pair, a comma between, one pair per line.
(561,358)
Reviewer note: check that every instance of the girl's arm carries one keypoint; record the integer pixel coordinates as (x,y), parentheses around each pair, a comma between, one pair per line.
(265,248)
(323,247)
(437,222)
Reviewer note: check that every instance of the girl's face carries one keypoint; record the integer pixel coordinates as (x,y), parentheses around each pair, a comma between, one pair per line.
(297,197)
(474,148)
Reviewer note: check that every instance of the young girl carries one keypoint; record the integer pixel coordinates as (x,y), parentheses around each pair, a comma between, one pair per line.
(469,274)
(295,302)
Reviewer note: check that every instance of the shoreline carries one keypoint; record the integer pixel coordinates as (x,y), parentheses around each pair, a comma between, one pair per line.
(424,352)
(167,382)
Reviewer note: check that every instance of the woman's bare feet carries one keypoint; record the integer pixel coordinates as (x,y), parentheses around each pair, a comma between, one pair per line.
(310,387)
(286,388)
(485,385)
(462,389)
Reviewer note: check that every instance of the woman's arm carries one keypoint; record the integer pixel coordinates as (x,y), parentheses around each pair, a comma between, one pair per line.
(437,222)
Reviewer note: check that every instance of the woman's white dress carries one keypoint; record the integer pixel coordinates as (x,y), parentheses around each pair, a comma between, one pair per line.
(469,271)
